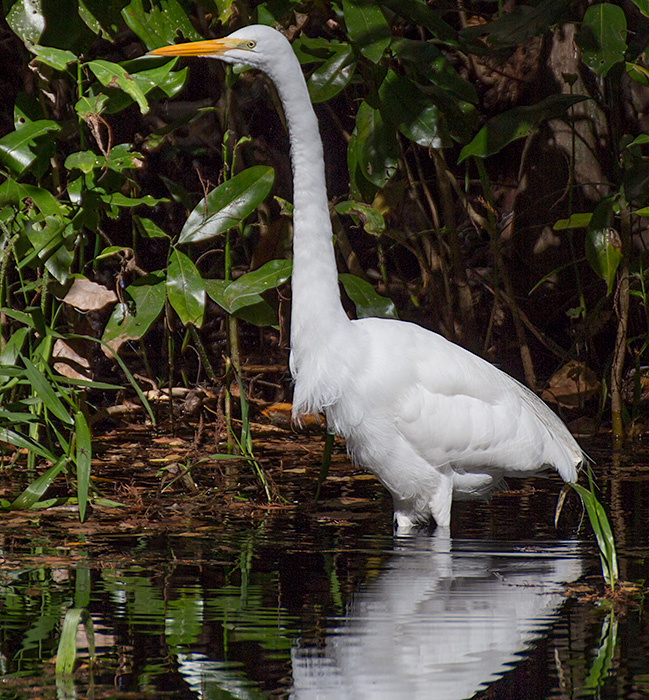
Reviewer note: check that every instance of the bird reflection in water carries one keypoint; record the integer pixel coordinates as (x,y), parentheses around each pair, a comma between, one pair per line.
(443,620)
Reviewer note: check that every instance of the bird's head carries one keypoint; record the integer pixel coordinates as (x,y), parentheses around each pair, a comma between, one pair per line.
(257,46)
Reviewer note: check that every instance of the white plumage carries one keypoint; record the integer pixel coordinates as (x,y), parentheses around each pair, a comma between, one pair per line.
(431,420)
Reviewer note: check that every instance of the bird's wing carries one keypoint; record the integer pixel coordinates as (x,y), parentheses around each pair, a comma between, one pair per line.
(455,408)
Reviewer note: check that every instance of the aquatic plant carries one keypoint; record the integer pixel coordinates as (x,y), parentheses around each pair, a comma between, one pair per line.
(602,529)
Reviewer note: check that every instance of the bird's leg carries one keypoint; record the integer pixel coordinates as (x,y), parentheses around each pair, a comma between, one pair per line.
(440,503)
(403,524)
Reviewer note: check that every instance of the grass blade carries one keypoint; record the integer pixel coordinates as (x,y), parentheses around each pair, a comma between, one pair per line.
(66,654)
(35,490)
(83,460)
(43,389)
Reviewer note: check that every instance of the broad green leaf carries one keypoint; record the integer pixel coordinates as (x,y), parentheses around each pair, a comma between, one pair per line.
(372,220)
(375,144)
(161,77)
(332,76)
(18,148)
(83,458)
(516,123)
(414,11)
(27,20)
(253,310)
(316,50)
(53,240)
(112,75)
(603,252)
(32,494)
(227,205)
(637,73)
(55,58)
(269,276)
(148,228)
(16,193)
(413,112)
(90,105)
(518,25)
(144,301)
(161,25)
(368,303)
(120,200)
(430,64)
(102,17)
(575,221)
(367,27)
(602,37)
(643,6)
(86,161)
(261,314)
(185,289)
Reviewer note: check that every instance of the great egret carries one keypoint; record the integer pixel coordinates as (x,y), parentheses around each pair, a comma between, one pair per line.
(431,420)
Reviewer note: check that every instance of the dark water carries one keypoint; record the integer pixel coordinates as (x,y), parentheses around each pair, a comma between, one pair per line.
(325,603)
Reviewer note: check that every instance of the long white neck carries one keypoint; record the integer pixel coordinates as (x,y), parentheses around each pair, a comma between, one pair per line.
(316,311)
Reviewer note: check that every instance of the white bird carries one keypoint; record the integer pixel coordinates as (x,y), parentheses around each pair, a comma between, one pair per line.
(429,419)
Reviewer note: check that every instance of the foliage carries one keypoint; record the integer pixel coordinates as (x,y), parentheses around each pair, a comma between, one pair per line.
(105,180)
(602,529)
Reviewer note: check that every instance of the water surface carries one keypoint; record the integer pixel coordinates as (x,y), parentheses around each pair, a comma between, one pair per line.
(324,603)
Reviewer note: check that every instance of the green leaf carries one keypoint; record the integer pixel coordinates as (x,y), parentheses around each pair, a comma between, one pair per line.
(516,123)
(55,58)
(414,11)
(27,20)
(575,221)
(16,193)
(118,199)
(367,27)
(146,298)
(112,75)
(42,388)
(31,495)
(161,25)
(643,6)
(375,144)
(519,25)
(83,460)
(88,106)
(603,252)
(430,64)
(23,443)
(227,205)
(602,37)
(66,652)
(17,148)
(332,76)
(269,276)
(148,228)
(185,289)
(86,161)
(372,220)
(413,112)
(368,303)
(161,77)
(638,73)
(13,347)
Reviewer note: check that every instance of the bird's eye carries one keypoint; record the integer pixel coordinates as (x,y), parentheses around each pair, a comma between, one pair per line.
(251,44)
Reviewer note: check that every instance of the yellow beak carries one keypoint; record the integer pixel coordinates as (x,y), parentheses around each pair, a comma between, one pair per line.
(209,47)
